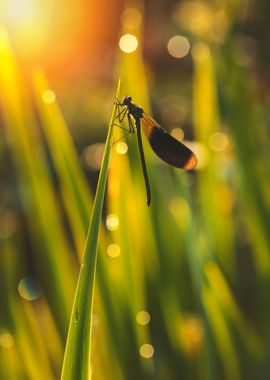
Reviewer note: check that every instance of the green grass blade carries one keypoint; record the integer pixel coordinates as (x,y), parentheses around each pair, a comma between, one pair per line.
(78,347)
(222,335)
(35,186)
(73,185)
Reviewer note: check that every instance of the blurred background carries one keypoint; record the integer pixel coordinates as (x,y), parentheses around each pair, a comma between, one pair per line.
(183,286)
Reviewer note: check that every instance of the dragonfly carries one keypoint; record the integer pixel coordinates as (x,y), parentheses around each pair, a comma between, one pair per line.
(166,147)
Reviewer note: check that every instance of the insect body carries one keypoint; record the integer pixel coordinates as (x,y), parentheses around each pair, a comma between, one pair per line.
(170,150)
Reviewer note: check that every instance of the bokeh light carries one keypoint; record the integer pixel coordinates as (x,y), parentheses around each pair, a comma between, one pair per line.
(128,43)
(91,156)
(113,250)
(6,340)
(201,152)
(194,16)
(28,289)
(178,46)
(218,141)
(48,97)
(121,148)
(147,278)
(147,351)
(112,222)
(178,133)
(192,332)
(143,317)
(131,18)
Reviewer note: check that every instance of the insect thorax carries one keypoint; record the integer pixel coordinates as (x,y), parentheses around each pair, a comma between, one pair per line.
(135,111)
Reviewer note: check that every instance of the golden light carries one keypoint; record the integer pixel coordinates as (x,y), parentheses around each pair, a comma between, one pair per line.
(6,340)
(121,148)
(194,16)
(21,12)
(200,52)
(113,250)
(178,133)
(180,208)
(112,222)
(192,332)
(147,350)
(143,317)
(201,151)
(218,141)
(201,18)
(27,23)
(178,46)
(128,43)
(48,97)
(225,198)
(131,18)
(56,35)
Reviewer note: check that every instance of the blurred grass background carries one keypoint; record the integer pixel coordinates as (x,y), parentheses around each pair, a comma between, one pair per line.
(182,286)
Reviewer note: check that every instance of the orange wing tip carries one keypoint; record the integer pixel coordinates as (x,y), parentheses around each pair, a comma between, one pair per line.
(191,163)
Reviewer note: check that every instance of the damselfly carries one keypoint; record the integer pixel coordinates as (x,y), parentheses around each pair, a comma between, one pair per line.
(170,150)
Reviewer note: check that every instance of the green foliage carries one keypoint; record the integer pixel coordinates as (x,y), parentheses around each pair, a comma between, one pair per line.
(182,287)
(78,346)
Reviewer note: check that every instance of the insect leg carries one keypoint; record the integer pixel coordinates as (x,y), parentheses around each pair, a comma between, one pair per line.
(117,101)
(120,116)
(130,124)
(128,131)
(121,138)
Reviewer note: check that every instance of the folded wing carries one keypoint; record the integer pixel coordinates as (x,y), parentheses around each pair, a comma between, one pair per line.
(170,150)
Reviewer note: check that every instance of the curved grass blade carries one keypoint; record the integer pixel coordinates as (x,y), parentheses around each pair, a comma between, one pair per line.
(78,347)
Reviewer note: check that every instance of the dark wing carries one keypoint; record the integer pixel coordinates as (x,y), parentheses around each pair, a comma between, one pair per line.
(167,147)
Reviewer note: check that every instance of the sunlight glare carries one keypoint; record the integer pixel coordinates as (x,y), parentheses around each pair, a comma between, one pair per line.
(27,21)
(21,11)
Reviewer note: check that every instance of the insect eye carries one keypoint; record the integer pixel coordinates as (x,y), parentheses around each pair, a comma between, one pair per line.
(127,100)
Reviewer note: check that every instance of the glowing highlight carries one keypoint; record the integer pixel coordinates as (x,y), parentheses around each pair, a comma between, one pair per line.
(128,43)
(178,46)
